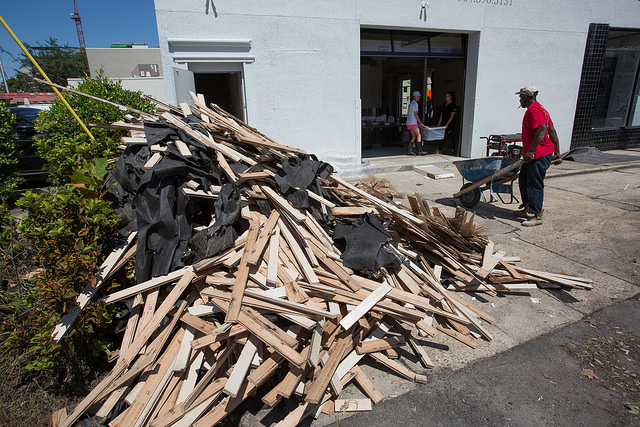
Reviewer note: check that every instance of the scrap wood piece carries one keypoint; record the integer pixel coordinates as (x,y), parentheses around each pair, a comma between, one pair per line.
(376,345)
(319,385)
(183,149)
(58,416)
(489,260)
(420,352)
(282,203)
(241,367)
(560,279)
(351,210)
(398,368)
(104,271)
(367,386)
(263,238)
(145,286)
(191,377)
(458,336)
(242,275)
(352,405)
(367,304)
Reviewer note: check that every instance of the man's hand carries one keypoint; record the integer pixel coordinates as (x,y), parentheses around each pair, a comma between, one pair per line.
(556,159)
(528,156)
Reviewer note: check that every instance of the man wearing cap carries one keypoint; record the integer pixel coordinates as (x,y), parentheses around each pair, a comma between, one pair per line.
(540,146)
(414,124)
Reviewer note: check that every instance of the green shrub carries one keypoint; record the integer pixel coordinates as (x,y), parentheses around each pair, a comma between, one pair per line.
(64,145)
(63,233)
(9,153)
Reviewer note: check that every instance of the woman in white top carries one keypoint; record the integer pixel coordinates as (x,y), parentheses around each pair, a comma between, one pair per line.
(413,124)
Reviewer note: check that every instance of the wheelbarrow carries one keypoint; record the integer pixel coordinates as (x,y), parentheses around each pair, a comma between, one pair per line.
(494,173)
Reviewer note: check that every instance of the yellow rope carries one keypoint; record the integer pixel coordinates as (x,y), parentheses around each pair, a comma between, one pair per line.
(35,64)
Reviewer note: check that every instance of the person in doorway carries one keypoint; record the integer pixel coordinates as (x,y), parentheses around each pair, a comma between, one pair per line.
(448,119)
(540,146)
(414,124)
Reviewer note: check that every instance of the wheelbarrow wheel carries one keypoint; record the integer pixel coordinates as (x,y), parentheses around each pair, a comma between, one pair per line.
(470,198)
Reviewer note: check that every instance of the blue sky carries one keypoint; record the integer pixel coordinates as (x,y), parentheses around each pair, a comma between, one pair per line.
(103,22)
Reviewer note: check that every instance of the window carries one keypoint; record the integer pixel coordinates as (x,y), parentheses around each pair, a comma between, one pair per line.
(417,44)
(618,100)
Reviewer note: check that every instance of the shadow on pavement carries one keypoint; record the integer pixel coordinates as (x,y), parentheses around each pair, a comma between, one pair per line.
(494,210)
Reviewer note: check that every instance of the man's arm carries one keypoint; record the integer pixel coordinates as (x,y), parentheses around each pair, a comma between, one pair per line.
(556,144)
(541,131)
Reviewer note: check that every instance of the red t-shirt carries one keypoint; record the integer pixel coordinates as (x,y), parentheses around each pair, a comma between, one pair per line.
(535,116)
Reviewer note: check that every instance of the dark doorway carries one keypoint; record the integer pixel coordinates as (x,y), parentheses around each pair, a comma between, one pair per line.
(223,89)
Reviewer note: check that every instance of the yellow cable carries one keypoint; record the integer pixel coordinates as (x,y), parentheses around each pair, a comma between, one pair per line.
(35,64)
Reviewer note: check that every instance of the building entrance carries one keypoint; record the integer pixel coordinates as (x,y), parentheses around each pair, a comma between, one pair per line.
(394,64)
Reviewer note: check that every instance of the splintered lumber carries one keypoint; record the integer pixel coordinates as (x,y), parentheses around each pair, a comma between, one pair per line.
(240,369)
(366,305)
(259,298)
(241,278)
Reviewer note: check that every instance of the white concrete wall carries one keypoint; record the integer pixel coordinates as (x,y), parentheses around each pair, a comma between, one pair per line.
(303,79)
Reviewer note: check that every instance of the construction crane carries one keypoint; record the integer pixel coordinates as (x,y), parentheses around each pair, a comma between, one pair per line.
(76,17)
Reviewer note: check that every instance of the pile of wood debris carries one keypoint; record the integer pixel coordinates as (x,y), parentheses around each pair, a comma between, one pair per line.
(295,299)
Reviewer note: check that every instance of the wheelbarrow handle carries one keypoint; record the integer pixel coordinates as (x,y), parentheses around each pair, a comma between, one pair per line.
(496,174)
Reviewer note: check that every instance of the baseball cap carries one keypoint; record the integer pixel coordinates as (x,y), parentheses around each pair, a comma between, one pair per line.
(528,90)
(416,93)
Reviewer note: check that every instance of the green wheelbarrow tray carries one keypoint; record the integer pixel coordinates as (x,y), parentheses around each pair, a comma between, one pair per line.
(498,173)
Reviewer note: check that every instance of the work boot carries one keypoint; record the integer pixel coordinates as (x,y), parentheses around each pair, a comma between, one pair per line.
(535,220)
(523,212)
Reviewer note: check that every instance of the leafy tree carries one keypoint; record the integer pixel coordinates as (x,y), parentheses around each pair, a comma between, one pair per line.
(59,62)
(9,154)
(60,242)
(65,146)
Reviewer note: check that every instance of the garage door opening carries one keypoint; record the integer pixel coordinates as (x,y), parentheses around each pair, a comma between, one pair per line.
(394,64)
(223,89)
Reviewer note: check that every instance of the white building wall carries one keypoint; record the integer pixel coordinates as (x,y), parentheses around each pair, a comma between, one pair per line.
(303,72)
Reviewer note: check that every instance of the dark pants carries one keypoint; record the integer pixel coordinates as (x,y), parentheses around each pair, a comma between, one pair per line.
(448,139)
(531,182)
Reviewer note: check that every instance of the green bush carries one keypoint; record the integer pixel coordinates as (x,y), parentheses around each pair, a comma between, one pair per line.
(9,153)
(64,145)
(62,234)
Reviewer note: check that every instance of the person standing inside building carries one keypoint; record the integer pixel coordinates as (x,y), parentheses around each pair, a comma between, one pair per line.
(540,146)
(448,119)
(414,124)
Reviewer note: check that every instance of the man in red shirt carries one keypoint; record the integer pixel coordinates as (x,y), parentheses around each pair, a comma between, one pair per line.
(540,146)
